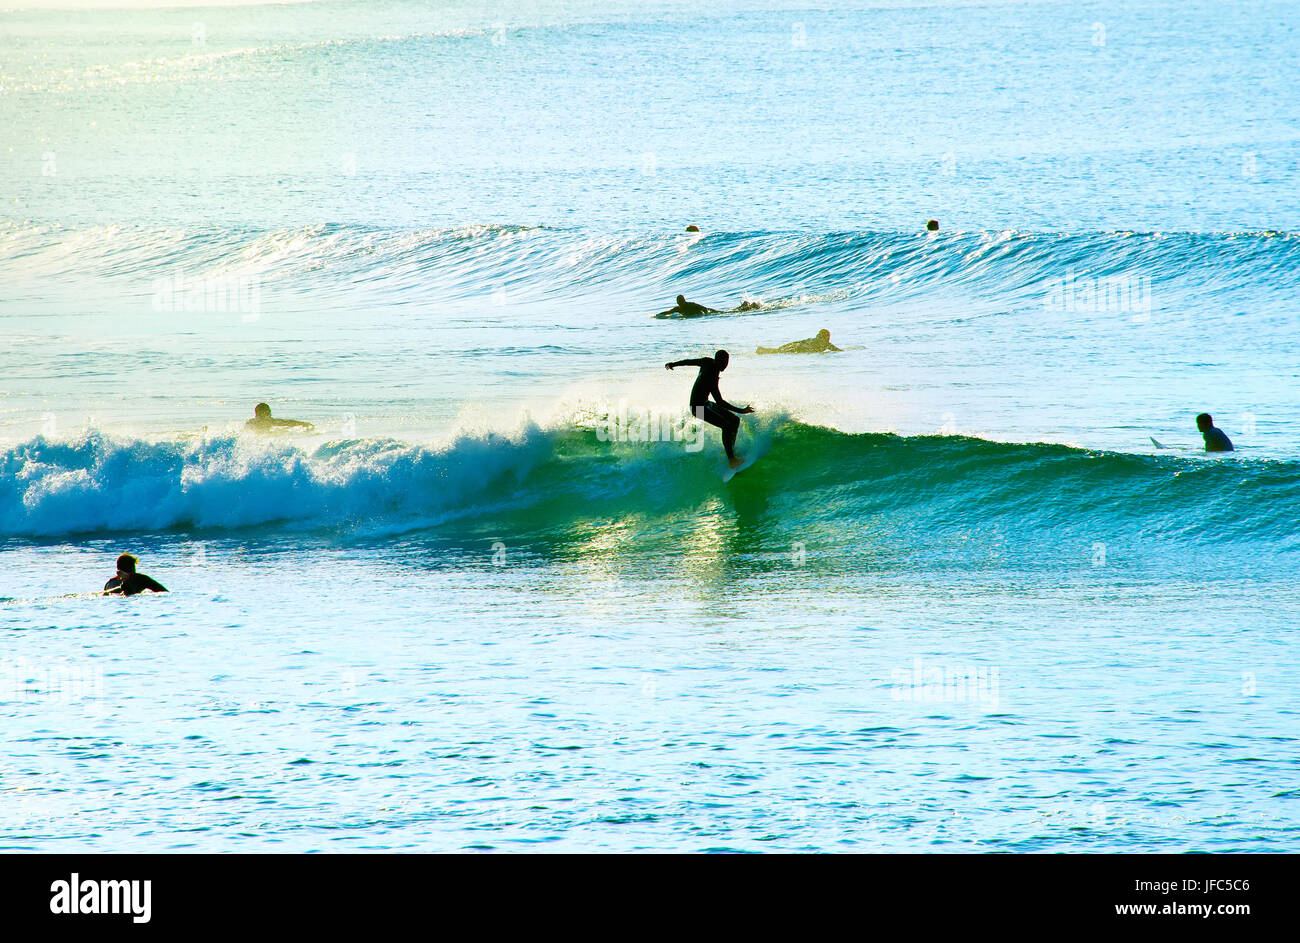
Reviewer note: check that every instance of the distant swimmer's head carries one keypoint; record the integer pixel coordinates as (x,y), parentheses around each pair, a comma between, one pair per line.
(823,335)
(262,411)
(692,228)
(722,358)
(1204,423)
(932,225)
(126,563)
(681,299)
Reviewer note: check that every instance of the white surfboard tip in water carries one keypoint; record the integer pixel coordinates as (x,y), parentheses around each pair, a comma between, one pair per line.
(1170,448)
(755,448)
(757,441)
(745,462)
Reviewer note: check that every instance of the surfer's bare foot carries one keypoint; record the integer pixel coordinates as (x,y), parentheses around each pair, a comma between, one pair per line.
(735,461)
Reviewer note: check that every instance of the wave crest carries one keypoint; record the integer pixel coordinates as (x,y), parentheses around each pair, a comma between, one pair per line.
(565,475)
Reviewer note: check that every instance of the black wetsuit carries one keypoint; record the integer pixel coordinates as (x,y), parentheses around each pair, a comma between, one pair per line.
(688,309)
(1216,440)
(134,583)
(719,413)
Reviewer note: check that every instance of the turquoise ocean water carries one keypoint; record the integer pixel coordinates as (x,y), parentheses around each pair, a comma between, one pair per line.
(501,598)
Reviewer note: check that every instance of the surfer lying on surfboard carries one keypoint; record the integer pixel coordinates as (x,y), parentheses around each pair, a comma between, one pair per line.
(128,582)
(262,421)
(687,309)
(691,309)
(719,413)
(809,345)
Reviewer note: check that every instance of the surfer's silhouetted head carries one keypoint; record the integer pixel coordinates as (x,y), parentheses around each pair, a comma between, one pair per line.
(932,225)
(681,299)
(1204,422)
(126,563)
(823,335)
(262,411)
(722,358)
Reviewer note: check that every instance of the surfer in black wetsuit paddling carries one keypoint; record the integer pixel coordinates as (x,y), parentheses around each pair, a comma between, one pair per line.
(719,413)
(128,582)
(687,309)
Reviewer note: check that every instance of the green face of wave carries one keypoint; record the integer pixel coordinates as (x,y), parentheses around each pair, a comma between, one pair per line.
(651,503)
(837,501)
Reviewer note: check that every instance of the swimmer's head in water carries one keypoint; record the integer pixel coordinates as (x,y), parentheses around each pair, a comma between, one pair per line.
(823,335)
(692,228)
(681,299)
(722,358)
(1204,422)
(126,563)
(262,411)
(932,225)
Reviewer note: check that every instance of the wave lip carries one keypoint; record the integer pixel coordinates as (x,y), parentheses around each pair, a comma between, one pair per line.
(101,484)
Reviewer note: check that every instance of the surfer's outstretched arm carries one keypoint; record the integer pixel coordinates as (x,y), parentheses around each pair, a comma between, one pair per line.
(689,363)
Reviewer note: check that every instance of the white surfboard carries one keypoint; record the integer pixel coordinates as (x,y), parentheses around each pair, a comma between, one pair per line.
(1170,448)
(745,462)
(755,447)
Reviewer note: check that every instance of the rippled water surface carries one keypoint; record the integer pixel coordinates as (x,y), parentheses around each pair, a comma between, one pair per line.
(501,598)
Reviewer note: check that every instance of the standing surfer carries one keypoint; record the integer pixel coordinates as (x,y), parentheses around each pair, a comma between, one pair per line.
(719,413)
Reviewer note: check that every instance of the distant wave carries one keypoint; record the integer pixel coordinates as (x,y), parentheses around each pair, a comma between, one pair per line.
(558,477)
(783,269)
(221,65)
